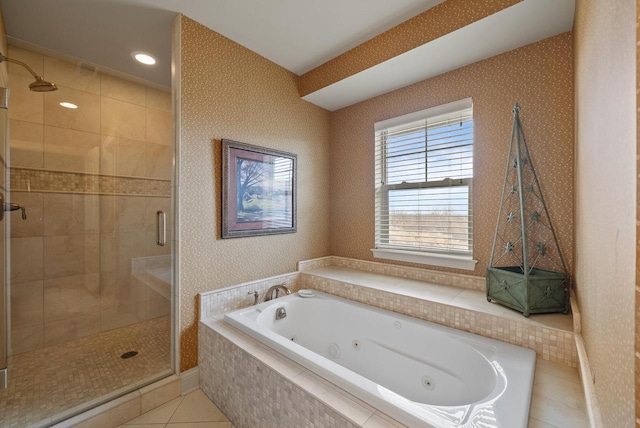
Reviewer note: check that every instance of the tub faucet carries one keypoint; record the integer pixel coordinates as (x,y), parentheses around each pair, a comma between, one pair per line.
(273,292)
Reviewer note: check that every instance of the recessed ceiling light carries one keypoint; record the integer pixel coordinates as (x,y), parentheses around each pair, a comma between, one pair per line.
(68,105)
(143,57)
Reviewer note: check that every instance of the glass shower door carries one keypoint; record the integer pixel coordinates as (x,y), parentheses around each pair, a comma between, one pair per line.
(3,237)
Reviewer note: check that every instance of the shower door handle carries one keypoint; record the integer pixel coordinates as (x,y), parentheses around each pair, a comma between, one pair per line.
(162,228)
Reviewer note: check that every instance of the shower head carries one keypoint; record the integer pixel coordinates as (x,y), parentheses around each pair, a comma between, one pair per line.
(40,85)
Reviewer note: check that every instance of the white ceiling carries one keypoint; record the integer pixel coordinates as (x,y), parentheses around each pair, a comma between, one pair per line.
(299,35)
(296,34)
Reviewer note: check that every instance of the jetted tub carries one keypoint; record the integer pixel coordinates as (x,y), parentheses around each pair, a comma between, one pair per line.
(420,373)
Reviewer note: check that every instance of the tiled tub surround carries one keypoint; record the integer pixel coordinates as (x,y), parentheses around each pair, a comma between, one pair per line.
(557,396)
(216,302)
(550,335)
(255,386)
(425,275)
(394,355)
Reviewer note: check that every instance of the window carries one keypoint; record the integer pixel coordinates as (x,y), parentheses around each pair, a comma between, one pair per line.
(424,172)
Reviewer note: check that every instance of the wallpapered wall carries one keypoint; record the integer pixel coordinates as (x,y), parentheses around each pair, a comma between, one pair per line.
(637,305)
(605,198)
(431,24)
(231,92)
(539,77)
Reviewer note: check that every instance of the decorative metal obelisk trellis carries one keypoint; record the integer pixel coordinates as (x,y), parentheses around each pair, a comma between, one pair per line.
(527,271)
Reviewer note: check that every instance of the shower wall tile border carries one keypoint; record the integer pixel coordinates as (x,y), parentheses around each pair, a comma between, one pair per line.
(436,277)
(38,180)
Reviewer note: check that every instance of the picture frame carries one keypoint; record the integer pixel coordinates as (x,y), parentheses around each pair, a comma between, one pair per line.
(258,190)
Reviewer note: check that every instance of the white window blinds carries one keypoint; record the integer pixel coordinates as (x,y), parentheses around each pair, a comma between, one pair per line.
(424,170)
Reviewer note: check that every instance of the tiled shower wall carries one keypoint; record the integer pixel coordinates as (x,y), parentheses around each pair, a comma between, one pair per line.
(92,180)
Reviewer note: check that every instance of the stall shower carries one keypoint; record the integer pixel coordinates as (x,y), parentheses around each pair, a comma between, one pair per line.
(88,157)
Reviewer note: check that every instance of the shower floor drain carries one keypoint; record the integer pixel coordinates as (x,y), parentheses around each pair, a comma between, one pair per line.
(129,354)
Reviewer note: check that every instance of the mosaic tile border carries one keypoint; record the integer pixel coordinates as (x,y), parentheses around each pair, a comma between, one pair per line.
(436,277)
(226,299)
(38,180)
(549,343)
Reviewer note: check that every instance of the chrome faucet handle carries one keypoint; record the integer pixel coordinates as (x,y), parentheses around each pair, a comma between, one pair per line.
(10,206)
(274,292)
(255,296)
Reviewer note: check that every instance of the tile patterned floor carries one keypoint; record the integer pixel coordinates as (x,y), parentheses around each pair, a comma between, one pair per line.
(194,410)
(54,379)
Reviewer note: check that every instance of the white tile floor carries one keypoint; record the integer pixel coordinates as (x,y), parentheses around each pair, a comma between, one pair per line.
(194,410)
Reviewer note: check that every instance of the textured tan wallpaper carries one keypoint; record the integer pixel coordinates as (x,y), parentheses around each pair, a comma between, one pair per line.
(637,305)
(605,198)
(442,19)
(539,77)
(231,92)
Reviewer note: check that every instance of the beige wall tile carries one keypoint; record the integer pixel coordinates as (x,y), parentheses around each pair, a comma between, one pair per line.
(71,328)
(158,100)
(123,90)
(71,75)
(26,143)
(25,105)
(159,127)
(122,156)
(118,249)
(121,288)
(33,225)
(122,315)
(122,120)
(26,304)
(129,245)
(153,249)
(107,252)
(71,150)
(32,59)
(107,213)
(130,213)
(71,255)
(71,296)
(71,214)
(158,307)
(84,118)
(26,259)
(108,145)
(159,161)
(27,339)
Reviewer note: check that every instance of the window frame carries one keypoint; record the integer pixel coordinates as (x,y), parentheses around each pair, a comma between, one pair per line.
(432,256)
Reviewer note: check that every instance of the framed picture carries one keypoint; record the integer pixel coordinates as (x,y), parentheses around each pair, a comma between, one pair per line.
(258,190)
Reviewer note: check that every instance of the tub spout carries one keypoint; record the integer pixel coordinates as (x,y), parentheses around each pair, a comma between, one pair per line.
(274,292)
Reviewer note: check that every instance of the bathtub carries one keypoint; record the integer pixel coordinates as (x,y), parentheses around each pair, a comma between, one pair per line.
(420,373)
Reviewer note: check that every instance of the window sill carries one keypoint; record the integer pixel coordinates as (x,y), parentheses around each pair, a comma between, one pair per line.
(442,260)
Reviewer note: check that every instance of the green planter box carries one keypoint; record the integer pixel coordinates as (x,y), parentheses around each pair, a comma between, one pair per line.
(542,291)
